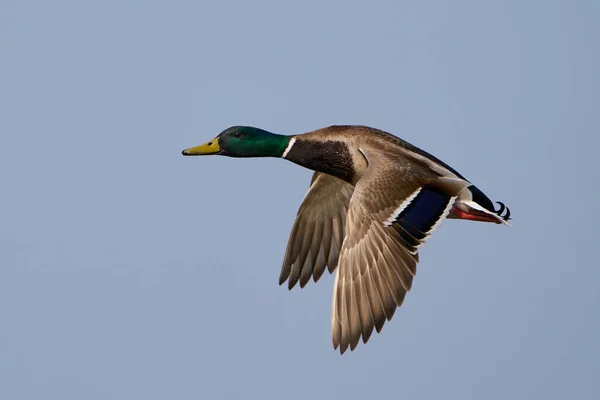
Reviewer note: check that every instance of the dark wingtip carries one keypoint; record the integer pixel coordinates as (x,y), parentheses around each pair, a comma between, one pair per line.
(291,284)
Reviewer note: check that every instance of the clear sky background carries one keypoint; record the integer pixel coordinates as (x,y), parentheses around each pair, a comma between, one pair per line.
(130,272)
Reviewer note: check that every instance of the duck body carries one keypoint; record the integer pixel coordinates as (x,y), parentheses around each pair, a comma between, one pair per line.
(373,201)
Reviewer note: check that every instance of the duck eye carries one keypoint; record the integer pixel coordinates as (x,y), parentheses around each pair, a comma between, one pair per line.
(237,134)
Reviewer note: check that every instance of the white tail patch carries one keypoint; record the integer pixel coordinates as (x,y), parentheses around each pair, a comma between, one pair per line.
(401,207)
(478,207)
(289,147)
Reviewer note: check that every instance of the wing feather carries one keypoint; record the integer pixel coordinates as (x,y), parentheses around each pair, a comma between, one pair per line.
(378,257)
(318,231)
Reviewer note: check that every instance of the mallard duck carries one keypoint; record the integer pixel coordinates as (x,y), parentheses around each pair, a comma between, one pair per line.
(373,201)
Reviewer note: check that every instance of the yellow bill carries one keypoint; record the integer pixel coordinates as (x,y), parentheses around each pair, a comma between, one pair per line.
(205,149)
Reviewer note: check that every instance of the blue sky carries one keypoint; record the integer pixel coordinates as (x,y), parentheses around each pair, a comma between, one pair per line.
(128,271)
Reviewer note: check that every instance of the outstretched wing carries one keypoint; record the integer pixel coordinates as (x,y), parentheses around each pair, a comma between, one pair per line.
(384,229)
(318,231)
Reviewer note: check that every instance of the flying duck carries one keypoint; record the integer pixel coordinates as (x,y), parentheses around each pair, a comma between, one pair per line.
(374,200)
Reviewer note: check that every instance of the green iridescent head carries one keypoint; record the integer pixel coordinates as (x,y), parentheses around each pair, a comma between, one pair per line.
(242,141)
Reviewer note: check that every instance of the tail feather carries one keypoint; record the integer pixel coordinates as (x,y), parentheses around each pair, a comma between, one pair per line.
(474,205)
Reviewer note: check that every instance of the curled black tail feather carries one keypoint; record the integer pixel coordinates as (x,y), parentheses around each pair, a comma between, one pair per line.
(499,212)
(485,202)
